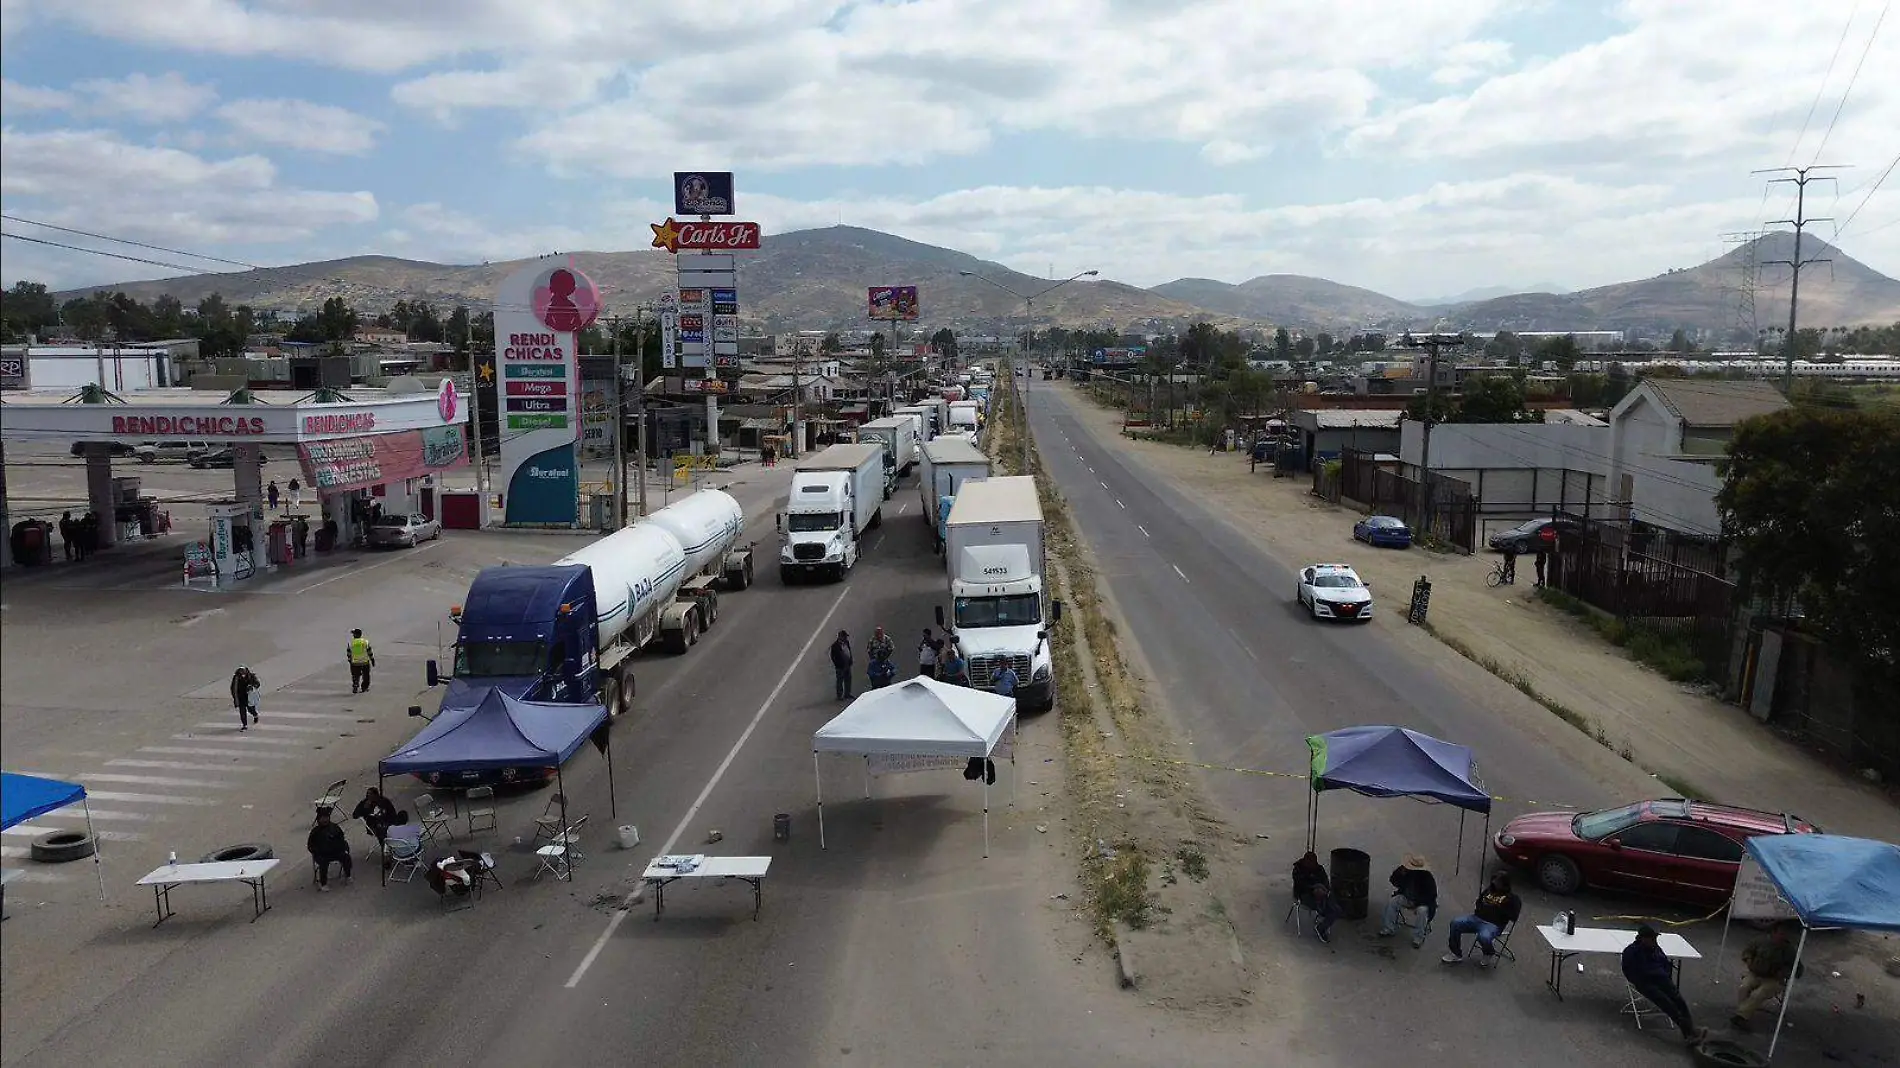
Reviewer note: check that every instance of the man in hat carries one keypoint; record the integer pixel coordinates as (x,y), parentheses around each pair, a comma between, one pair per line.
(1413,888)
(1647,970)
(841,664)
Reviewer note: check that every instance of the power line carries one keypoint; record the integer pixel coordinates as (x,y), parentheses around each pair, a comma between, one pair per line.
(1820,89)
(102,252)
(1852,78)
(1875,188)
(134,244)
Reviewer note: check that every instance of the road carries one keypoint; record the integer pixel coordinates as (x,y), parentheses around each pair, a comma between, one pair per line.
(1246,676)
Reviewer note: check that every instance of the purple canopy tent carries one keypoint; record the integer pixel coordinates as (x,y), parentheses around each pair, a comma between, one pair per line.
(1396,762)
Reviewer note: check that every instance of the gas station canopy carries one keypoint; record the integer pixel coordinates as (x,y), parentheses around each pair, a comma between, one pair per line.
(270,417)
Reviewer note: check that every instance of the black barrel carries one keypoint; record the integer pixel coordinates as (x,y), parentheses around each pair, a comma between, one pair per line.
(1352,881)
(782,826)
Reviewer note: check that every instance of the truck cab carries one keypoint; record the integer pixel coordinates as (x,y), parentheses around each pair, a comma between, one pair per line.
(815,531)
(528,632)
(1000,615)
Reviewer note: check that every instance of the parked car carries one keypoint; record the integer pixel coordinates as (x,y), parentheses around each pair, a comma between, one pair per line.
(151,452)
(1523,537)
(224,457)
(1334,591)
(116,448)
(398,531)
(1668,848)
(1383,531)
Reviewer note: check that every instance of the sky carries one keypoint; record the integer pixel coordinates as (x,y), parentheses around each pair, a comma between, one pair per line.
(1422,148)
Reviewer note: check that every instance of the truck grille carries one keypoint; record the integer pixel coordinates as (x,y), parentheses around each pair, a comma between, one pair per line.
(808,551)
(984,669)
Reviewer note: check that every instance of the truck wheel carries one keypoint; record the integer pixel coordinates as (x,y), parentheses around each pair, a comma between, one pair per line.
(785,576)
(877,518)
(617,694)
(692,629)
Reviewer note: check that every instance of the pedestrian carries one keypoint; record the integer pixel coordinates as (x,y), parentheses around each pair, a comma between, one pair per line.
(329,845)
(244,690)
(67,531)
(1414,888)
(1510,565)
(841,664)
(1006,681)
(273,494)
(880,649)
(1647,970)
(1497,908)
(361,658)
(927,651)
(953,669)
(1538,561)
(1770,963)
(296,493)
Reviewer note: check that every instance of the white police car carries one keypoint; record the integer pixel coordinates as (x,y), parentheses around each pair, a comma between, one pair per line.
(1334,591)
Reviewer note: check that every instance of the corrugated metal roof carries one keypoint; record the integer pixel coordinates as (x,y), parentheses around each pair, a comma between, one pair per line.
(996,500)
(1699,403)
(1357,418)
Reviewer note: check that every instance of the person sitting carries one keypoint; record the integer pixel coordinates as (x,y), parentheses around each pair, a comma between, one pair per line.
(1647,970)
(376,811)
(328,844)
(1313,889)
(1414,888)
(1770,962)
(1497,908)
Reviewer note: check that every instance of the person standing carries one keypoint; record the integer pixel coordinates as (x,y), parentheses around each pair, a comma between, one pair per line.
(1539,561)
(880,649)
(272,493)
(1510,566)
(66,532)
(927,651)
(361,658)
(954,669)
(1647,970)
(1006,681)
(296,493)
(244,690)
(841,664)
(1414,888)
(329,845)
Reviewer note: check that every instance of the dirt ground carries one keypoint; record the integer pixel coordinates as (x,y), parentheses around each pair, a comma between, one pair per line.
(1667,729)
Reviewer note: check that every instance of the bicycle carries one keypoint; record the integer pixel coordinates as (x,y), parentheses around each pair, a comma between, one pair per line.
(1502,574)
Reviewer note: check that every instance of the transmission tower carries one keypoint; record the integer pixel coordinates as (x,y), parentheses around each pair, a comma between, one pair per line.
(1749,268)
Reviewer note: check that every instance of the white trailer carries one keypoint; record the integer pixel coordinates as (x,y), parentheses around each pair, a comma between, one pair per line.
(1000,610)
(927,426)
(947,464)
(898,433)
(963,418)
(837,494)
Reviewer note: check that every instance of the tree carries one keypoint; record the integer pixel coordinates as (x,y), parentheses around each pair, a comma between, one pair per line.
(337,320)
(1562,351)
(831,345)
(1304,348)
(945,342)
(1505,346)
(457,330)
(1810,505)
(168,316)
(1679,342)
(27,308)
(1322,344)
(1492,398)
(1283,344)
(877,347)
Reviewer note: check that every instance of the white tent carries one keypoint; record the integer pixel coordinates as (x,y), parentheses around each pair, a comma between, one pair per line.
(918,725)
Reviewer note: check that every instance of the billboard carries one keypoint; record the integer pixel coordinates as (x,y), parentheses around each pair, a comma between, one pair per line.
(702,193)
(539,310)
(343,464)
(894,303)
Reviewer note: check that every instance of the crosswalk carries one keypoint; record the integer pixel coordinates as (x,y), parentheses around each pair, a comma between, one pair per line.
(185,776)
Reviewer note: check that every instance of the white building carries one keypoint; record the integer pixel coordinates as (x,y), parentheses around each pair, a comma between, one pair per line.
(116,367)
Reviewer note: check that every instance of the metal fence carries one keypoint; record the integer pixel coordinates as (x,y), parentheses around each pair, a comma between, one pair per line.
(1660,580)
(1393,489)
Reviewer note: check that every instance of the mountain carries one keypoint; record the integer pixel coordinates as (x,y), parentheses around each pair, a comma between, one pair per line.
(803,279)
(1843,292)
(1294,300)
(1472,296)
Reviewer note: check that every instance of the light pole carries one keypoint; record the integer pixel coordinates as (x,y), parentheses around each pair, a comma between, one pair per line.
(1029,371)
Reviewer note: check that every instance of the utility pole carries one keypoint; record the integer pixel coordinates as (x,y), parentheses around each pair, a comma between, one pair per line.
(1430,343)
(620,432)
(798,365)
(1795,263)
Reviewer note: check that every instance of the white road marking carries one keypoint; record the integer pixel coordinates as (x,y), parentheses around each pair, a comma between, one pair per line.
(147,799)
(186,750)
(135,817)
(153,780)
(169,765)
(267,727)
(34,831)
(1104,485)
(1144,531)
(312,715)
(626,906)
(28,875)
(1119,504)
(902,508)
(245,738)
(1178,571)
(1243,645)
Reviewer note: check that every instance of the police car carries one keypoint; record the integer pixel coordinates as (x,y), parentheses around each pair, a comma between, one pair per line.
(1334,591)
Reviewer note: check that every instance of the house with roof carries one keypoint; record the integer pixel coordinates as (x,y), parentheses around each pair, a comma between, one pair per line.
(1668,437)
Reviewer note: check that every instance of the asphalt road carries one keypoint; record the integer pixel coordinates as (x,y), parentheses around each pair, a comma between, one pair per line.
(1246,676)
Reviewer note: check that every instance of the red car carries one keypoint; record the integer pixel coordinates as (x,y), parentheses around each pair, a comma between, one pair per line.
(1669,848)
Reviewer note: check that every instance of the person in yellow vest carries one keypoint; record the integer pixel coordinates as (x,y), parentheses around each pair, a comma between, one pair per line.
(361,658)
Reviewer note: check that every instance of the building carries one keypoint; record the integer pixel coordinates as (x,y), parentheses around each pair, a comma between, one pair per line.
(117,368)
(1325,433)
(1667,437)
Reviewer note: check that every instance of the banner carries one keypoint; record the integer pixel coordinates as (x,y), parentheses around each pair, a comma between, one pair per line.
(893,303)
(345,464)
(1756,897)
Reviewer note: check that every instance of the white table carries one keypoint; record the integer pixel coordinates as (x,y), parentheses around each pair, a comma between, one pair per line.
(746,869)
(166,878)
(1605,940)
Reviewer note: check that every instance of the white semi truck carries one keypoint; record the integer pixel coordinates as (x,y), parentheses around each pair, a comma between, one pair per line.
(964,418)
(898,435)
(837,494)
(947,464)
(1000,611)
(926,420)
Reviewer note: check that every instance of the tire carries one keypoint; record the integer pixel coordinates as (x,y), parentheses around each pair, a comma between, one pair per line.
(1494,578)
(235,854)
(785,577)
(612,695)
(148,458)
(61,847)
(692,630)
(1558,874)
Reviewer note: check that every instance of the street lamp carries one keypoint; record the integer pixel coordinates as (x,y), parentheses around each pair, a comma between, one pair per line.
(1029,372)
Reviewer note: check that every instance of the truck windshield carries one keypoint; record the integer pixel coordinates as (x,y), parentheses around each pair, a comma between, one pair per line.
(497,659)
(808,522)
(1018,610)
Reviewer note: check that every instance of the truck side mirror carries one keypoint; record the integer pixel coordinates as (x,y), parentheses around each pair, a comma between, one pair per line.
(778,522)
(1056,614)
(433,672)
(940,615)
(416,711)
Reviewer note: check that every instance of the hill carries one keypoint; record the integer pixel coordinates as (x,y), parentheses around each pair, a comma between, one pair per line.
(1296,301)
(803,279)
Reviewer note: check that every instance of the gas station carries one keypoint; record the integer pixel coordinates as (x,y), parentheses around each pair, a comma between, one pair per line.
(351,448)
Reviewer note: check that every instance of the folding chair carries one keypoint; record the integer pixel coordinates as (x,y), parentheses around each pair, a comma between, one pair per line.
(1502,943)
(434,821)
(554,861)
(402,852)
(1302,915)
(481,808)
(571,838)
(332,795)
(548,823)
(1638,1006)
(487,873)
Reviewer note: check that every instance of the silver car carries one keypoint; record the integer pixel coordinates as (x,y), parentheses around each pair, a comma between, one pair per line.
(399,531)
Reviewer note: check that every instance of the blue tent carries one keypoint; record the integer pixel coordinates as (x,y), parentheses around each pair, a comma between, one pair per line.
(23,797)
(1831,881)
(1382,761)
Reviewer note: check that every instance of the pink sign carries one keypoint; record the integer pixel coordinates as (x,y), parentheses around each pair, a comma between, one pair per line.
(346,464)
(565,300)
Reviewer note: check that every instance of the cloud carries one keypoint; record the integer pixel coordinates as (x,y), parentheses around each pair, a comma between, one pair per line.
(17,99)
(166,98)
(444,94)
(98,181)
(302,125)
(441,234)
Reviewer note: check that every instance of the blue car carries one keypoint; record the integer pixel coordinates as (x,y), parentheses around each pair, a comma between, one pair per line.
(1383,531)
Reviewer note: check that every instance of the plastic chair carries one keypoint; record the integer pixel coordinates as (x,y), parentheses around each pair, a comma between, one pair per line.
(572,840)
(481,807)
(402,851)
(332,795)
(434,821)
(548,823)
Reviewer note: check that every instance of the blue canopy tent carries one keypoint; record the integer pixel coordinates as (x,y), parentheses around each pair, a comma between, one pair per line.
(1829,881)
(1395,762)
(23,797)
(503,732)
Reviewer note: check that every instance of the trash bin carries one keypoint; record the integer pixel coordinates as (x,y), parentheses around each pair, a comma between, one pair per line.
(629,836)
(1352,881)
(782,827)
